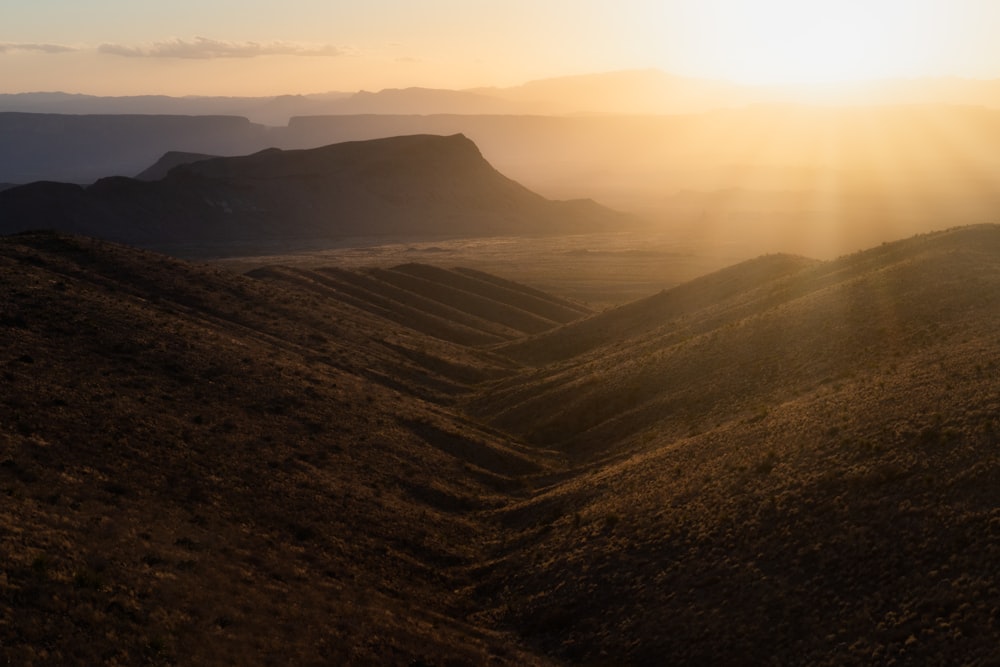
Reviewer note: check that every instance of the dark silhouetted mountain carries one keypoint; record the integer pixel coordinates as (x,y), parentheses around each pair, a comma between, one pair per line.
(787,461)
(762,177)
(416,185)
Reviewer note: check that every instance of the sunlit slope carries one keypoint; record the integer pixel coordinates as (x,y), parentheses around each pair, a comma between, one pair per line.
(202,468)
(811,483)
(691,358)
(711,298)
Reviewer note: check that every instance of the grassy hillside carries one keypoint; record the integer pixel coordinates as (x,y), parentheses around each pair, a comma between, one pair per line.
(801,472)
(785,462)
(199,468)
(746,339)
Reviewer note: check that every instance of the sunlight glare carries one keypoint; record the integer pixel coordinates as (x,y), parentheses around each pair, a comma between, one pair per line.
(791,41)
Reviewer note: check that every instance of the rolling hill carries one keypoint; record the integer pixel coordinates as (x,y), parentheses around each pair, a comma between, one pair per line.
(426,185)
(784,462)
(787,462)
(199,467)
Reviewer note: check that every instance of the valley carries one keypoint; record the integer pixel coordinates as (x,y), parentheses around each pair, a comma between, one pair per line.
(462,334)
(773,460)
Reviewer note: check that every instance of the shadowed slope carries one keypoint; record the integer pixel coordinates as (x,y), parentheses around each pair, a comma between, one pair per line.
(455,305)
(517,296)
(785,462)
(429,284)
(200,468)
(399,305)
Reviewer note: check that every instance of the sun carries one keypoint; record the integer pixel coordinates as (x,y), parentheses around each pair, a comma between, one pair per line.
(808,41)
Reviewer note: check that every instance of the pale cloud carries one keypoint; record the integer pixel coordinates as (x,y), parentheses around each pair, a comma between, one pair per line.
(204,48)
(11,47)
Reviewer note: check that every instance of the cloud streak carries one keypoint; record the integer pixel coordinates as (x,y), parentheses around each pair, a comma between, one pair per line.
(203,48)
(13,47)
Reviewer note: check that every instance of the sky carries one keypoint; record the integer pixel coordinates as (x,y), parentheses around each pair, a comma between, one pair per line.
(253,47)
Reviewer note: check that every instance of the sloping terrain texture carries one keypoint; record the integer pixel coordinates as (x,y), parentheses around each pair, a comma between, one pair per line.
(421,184)
(785,462)
(200,468)
(460,305)
(793,467)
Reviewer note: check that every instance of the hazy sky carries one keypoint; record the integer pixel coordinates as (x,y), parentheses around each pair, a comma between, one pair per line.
(247,47)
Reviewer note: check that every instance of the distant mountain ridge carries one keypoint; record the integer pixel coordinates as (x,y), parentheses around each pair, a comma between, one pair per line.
(412,185)
(170,160)
(84,148)
(647,91)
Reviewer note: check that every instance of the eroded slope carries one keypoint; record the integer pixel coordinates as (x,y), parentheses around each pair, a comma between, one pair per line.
(803,473)
(787,462)
(200,468)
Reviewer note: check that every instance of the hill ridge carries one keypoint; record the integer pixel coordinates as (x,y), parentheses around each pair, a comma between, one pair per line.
(786,461)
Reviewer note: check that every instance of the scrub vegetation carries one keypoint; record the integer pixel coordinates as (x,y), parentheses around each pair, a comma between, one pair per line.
(784,462)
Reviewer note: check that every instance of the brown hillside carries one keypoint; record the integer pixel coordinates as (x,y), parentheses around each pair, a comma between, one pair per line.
(199,468)
(785,462)
(726,345)
(709,292)
(456,305)
(808,480)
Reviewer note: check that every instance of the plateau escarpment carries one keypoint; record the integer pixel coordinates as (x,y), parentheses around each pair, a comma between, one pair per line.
(402,186)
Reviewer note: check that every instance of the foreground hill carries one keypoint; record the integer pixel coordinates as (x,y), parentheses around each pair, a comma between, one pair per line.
(461,306)
(426,185)
(199,468)
(800,468)
(785,462)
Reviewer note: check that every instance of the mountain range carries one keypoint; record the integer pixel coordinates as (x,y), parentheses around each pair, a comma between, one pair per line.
(787,461)
(808,179)
(629,92)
